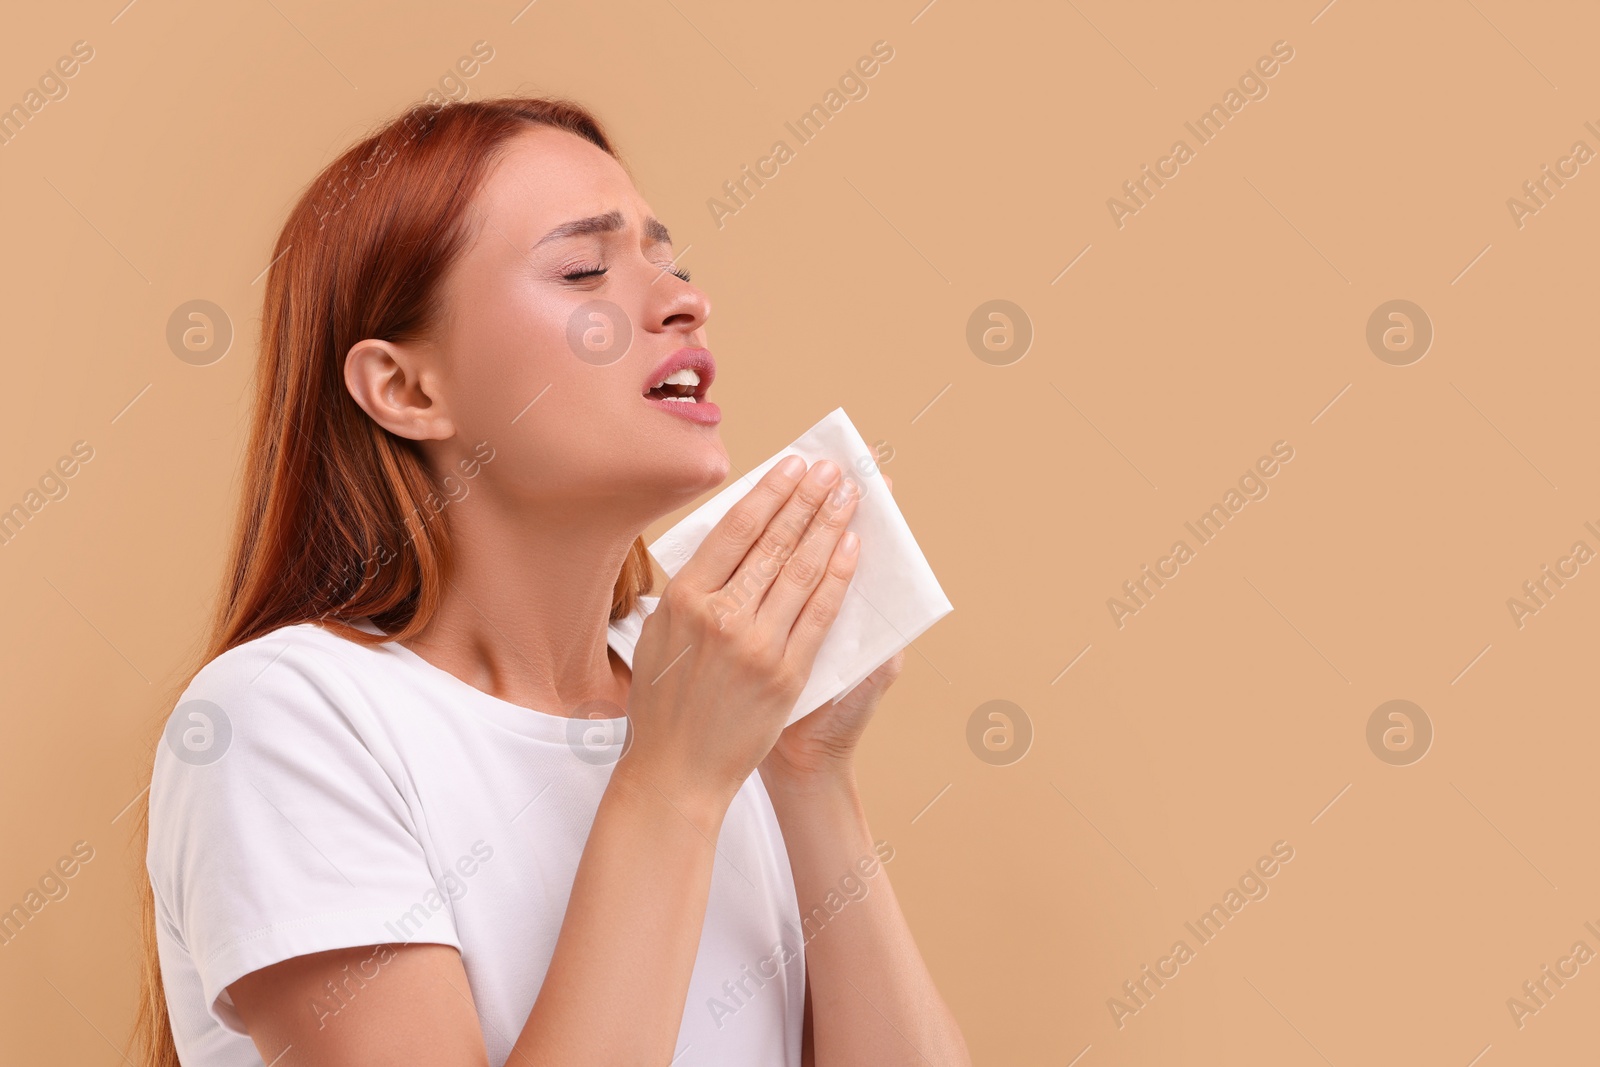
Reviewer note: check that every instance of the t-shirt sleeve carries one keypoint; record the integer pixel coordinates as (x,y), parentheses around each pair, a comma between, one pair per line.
(276,826)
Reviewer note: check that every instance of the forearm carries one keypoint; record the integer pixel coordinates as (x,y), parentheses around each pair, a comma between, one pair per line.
(872,998)
(630,934)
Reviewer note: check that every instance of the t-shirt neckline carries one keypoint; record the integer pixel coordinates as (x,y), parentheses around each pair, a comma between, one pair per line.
(588,732)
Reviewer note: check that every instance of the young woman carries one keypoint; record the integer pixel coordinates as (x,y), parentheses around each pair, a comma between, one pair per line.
(447,790)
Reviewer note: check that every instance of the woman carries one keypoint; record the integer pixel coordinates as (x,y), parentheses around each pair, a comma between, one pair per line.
(393,818)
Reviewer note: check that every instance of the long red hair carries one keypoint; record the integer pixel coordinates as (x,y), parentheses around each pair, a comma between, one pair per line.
(334,522)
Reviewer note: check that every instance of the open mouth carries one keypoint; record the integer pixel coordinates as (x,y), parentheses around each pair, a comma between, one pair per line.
(682,386)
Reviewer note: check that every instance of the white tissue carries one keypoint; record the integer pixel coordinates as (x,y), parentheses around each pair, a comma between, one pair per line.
(893,596)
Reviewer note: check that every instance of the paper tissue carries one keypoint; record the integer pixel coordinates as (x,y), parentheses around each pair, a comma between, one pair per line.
(893,596)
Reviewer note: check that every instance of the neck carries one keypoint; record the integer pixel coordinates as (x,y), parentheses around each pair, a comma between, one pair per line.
(523,616)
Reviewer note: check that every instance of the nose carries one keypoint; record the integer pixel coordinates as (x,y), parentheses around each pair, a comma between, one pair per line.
(676,305)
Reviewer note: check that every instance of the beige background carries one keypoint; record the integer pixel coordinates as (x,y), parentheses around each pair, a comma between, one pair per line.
(1225,316)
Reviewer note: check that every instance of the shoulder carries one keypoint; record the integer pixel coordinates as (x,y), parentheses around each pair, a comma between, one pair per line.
(281,819)
(279,678)
(305,650)
(278,705)
(270,737)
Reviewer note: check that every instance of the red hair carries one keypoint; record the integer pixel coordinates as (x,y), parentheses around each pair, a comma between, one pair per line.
(337,519)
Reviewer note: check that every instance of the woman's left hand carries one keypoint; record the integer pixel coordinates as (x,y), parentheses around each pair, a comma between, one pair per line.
(821,746)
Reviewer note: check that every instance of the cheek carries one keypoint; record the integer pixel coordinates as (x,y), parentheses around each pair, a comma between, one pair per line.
(504,351)
(555,422)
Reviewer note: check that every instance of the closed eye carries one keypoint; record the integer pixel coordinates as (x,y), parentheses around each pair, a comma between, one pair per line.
(595,272)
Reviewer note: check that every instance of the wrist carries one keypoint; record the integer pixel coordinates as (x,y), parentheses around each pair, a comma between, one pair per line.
(699,802)
(821,813)
(832,782)
(804,769)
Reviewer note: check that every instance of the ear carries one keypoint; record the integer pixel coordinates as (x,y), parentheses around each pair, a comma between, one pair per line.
(396,385)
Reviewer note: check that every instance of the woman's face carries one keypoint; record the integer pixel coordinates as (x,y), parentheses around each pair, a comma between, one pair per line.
(549,361)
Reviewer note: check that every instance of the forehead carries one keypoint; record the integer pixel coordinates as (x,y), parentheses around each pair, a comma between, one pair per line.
(547,176)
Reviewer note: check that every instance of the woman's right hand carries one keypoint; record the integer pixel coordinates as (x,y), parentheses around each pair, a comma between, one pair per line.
(721,661)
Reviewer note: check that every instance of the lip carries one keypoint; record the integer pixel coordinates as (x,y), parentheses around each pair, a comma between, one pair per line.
(702,410)
(698,358)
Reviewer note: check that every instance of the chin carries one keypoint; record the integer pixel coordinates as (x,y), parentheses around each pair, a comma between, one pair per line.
(678,475)
(714,465)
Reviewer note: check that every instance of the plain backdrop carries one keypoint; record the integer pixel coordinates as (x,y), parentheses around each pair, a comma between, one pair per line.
(1162,751)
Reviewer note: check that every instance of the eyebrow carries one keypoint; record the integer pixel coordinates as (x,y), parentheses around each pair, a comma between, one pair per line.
(610,222)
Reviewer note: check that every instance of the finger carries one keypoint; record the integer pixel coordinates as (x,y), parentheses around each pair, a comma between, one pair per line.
(822,607)
(891,668)
(772,550)
(809,561)
(884,674)
(730,539)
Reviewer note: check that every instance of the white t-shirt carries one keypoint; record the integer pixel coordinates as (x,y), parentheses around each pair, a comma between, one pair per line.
(312,794)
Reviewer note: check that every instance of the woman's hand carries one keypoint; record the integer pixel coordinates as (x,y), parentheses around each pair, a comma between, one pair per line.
(724,656)
(819,749)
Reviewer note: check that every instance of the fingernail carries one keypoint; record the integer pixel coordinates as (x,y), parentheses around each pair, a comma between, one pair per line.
(827,472)
(849,543)
(792,466)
